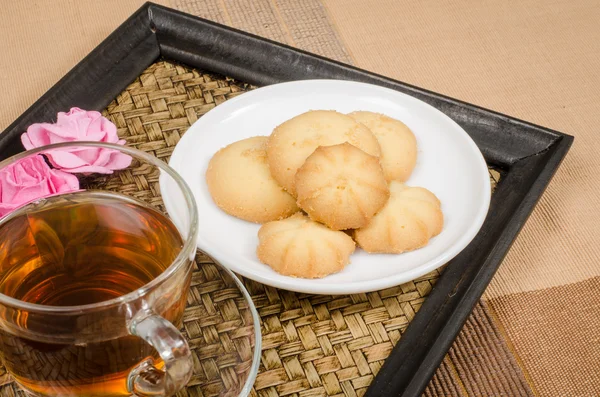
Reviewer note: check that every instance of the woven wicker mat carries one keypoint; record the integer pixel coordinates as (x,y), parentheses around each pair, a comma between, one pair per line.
(312,345)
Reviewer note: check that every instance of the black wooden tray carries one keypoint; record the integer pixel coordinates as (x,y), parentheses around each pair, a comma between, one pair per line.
(528,155)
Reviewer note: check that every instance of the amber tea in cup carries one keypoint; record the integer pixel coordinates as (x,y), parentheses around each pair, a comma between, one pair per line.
(84,248)
(80,249)
(93,285)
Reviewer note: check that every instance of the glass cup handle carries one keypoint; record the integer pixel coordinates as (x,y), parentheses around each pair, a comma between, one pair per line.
(146,380)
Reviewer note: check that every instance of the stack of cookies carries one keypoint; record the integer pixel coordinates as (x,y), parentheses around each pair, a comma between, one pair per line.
(323,182)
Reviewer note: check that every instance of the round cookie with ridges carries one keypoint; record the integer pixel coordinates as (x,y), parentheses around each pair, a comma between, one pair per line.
(411,217)
(294,140)
(240,183)
(299,247)
(398,144)
(341,186)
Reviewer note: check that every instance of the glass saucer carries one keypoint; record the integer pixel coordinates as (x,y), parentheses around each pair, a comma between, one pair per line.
(222,326)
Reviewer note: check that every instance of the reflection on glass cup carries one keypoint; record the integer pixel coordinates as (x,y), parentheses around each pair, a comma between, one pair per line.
(94,277)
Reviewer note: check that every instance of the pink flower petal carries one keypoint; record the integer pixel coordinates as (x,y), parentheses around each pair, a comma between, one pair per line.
(8,187)
(26,141)
(72,112)
(119,160)
(111,131)
(89,155)
(83,128)
(113,159)
(102,158)
(35,136)
(31,179)
(96,136)
(27,193)
(63,181)
(58,132)
(64,159)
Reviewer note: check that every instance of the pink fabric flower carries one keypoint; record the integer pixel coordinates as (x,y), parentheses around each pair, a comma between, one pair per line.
(30,179)
(78,125)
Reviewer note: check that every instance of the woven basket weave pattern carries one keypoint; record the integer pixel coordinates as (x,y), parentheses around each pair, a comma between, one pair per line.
(313,345)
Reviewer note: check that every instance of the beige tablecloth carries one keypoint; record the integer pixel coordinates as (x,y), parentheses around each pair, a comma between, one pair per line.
(537,330)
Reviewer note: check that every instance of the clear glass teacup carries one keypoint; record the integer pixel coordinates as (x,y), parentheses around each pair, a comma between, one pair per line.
(94,275)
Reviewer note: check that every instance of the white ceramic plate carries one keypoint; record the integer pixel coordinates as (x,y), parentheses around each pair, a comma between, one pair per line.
(449,164)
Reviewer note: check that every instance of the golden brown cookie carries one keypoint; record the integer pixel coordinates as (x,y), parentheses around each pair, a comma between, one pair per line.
(341,186)
(294,140)
(299,247)
(241,184)
(410,218)
(397,142)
